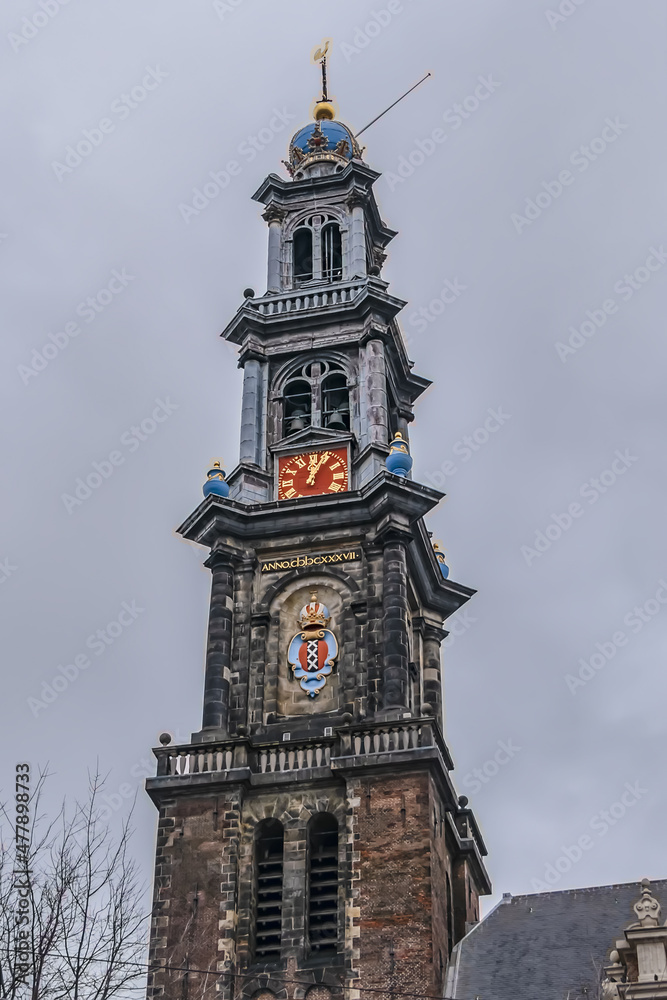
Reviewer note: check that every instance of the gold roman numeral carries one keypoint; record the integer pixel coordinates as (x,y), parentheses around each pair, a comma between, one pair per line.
(301,462)
(289,494)
(339,475)
(335,487)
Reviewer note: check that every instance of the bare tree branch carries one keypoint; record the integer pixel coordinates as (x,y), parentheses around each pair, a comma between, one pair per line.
(86,917)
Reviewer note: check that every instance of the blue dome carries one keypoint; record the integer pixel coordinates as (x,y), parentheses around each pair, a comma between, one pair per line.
(322,140)
(332,133)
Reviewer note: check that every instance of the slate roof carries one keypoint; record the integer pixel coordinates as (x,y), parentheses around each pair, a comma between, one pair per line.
(546,946)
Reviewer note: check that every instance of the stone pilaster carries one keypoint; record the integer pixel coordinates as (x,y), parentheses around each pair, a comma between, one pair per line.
(432,635)
(274,216)
(376,393)
(395,625)
(242,637)
(253,413)
(219,647)
(357,237)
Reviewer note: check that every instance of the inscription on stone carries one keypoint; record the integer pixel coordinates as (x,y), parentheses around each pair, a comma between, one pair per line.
(297,562)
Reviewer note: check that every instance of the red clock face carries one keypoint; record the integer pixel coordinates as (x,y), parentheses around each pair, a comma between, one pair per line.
(312,473)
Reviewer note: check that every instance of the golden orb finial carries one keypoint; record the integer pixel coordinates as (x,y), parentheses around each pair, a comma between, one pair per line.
(324,111)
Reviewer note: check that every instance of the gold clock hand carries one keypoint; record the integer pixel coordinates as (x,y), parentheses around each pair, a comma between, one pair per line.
(316,468)
(312,469)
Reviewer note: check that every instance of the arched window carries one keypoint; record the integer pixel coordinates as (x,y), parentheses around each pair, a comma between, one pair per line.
(303,254)
(332,255)
(297,406)
(269,844)
(335,402)
(323,884)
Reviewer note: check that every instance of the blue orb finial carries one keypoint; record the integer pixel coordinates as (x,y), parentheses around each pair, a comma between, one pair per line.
(399,460)
(440,556)
(215,482)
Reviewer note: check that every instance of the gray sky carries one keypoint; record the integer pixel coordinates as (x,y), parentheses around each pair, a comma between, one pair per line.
(578,95)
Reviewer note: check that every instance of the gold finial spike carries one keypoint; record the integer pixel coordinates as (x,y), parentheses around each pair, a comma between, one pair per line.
(313,597)
(216,465)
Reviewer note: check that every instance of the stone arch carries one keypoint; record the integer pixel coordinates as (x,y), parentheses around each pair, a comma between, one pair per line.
(294,810)
(257,989)
(336,211)
(301,574)
(323,987)
(291,368)
(283,694)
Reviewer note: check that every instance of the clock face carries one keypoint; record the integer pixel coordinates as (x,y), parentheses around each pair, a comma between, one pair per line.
(312,473)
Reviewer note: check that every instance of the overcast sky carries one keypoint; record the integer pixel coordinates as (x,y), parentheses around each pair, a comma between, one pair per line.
(542,204)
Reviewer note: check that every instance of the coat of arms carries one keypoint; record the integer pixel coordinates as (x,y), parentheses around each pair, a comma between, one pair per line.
(313,651)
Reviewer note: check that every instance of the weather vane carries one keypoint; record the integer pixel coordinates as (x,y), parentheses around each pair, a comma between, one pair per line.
(320,55)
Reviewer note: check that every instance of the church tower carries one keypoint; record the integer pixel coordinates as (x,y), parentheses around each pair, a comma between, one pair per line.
(310,839)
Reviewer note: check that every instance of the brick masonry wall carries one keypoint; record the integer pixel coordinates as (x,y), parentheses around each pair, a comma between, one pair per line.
(401,924)
(394,859)
(194,894)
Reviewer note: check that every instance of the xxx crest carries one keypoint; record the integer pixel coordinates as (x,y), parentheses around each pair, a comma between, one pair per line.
(313,651)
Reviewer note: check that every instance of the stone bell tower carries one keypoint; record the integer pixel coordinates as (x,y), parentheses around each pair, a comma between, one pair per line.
(310,838)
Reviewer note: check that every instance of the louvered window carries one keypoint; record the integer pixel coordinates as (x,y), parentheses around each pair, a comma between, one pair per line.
(269,846)
(323,884)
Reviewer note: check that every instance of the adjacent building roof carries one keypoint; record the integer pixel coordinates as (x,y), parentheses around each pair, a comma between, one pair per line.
(546,946)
